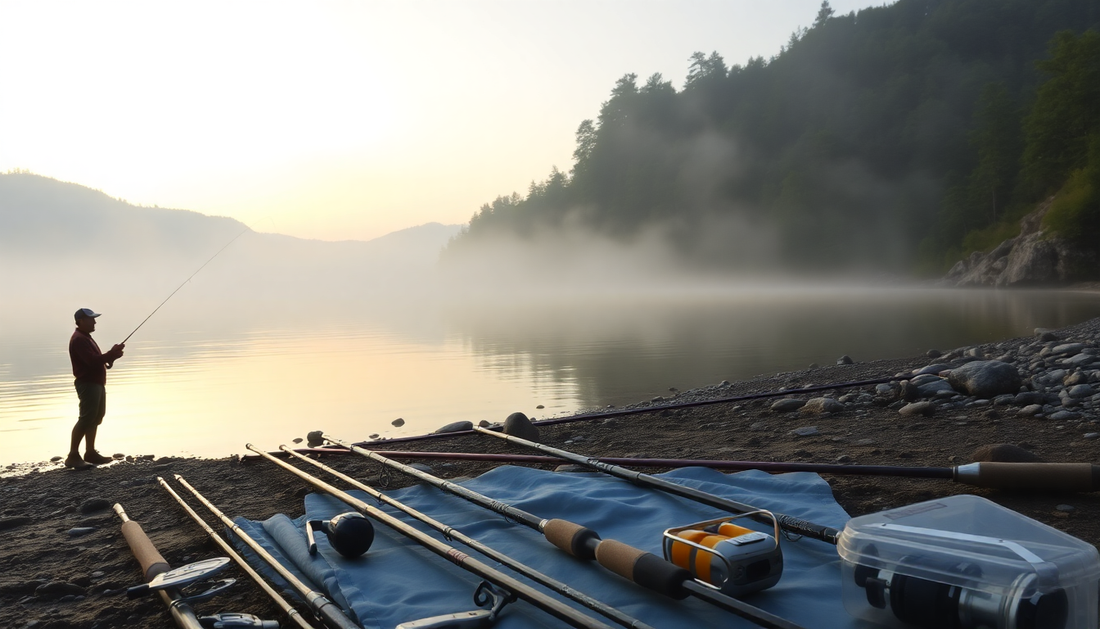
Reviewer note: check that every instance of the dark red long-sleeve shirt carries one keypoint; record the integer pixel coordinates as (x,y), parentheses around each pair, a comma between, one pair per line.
(89,363)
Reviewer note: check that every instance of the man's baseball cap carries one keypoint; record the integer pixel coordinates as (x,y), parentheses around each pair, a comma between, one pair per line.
(85,312)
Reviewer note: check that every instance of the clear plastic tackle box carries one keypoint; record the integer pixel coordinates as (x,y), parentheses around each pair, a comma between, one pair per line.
(965,562)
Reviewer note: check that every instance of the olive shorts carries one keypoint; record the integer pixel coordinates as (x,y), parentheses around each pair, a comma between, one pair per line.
(93,403)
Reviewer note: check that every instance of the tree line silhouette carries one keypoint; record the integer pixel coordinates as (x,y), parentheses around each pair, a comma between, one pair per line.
(901,136)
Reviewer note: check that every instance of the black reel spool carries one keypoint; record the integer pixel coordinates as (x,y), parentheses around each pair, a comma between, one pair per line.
(351,533)
(934,605)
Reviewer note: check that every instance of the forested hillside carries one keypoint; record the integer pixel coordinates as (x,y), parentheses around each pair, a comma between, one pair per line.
(895,138)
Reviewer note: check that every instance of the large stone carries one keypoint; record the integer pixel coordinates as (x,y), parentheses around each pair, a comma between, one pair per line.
(518,425)
(985,378)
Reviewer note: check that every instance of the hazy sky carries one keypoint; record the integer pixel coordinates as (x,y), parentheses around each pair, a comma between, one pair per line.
(339,120)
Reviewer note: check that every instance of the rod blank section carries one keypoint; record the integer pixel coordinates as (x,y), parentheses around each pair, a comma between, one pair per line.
(1044,476)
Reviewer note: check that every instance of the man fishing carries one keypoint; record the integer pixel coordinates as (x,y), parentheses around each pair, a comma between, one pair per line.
(90,367)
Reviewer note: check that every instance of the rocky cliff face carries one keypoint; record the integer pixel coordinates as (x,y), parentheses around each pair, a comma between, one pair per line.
(1034,258)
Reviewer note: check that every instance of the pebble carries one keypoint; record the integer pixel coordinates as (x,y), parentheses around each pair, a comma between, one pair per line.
(1065,508)
(787,405)
(81,530)
(819,405)
(455,427)
(1067,349)
(845,360)
(399,422)
(57,589)
(1092,435)
(806,431)
(11,522)
(924,408)
(55,459)
(1063,416)
(1004,453)
(313,438)
(91,505)
(864,442)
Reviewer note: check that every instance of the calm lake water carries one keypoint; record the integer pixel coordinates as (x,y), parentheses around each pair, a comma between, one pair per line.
(205,378)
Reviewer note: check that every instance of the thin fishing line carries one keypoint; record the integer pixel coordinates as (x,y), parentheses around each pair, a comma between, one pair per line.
(183,284)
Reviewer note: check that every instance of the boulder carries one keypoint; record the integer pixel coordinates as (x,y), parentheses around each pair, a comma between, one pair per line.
(518,425)
(985,378)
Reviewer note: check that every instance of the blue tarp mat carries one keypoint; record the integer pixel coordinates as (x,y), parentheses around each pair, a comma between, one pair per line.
(398,580)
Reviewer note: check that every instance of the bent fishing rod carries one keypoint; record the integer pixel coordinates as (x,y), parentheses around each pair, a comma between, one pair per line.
(453,533)
(640,567)
(183,284)
(280,602)
(793,525)
(326,611)
(551,606)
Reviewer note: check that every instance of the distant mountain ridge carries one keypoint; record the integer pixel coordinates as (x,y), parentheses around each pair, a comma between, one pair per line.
(45,221)
(39,213)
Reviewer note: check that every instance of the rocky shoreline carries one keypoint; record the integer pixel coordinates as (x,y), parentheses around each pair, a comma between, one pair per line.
(64,563)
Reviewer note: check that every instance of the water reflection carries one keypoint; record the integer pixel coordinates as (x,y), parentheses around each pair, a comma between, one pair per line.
(206,377)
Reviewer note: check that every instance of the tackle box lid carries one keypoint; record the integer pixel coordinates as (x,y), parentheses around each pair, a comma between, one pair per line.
(968,541)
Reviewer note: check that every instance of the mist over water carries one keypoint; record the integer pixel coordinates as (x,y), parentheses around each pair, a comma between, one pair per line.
(211,372)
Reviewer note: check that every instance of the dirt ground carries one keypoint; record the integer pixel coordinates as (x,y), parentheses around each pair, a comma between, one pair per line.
(39,511)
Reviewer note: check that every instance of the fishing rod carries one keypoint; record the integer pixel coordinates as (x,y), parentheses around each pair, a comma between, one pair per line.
(643,568)
(289,610)
(552,606)
(453,533)
(324,609)
(788,523)
(1084,477)
(184,284)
